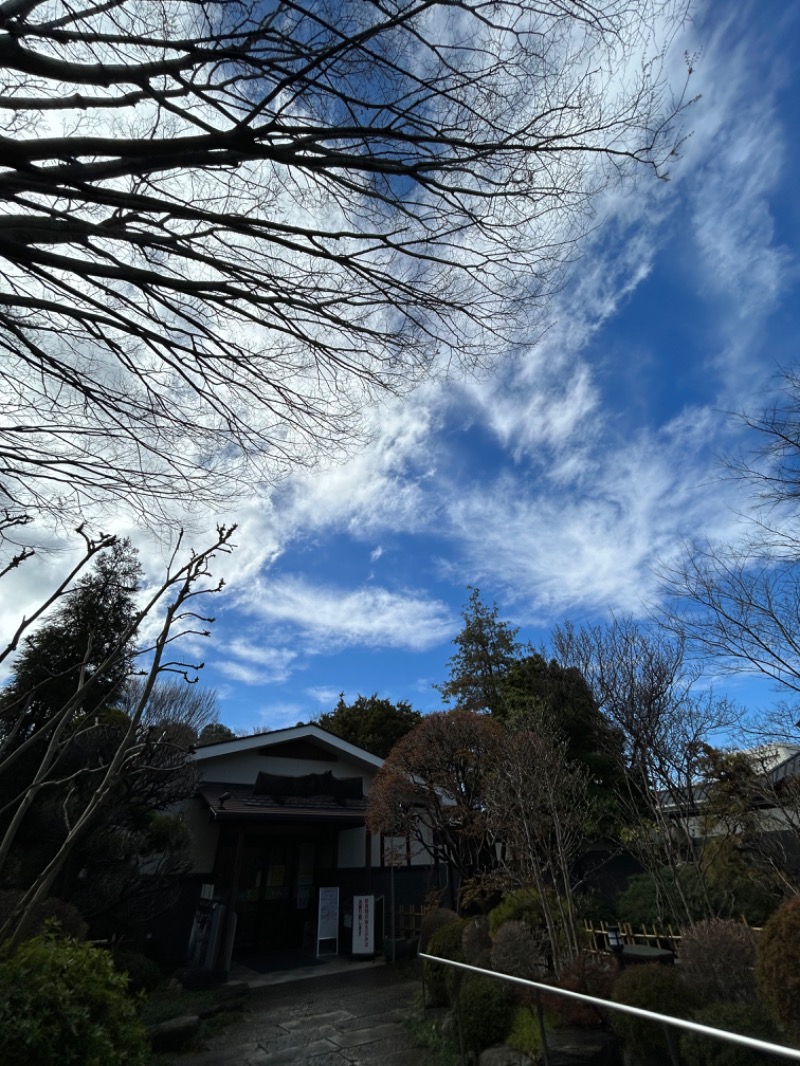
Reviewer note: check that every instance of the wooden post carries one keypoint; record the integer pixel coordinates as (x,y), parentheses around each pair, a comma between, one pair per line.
(230,915)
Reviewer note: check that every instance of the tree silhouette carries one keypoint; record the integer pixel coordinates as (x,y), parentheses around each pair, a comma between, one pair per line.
(227,226)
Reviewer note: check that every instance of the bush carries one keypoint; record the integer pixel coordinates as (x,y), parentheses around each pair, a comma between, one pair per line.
(432,922)
(718,961)
(476,943)
(517,951)
(591,976)
(651,987)
(63,1003)
(524,1034)
(143,974)
(643,902)
(441,981)
(778,965)
(522,905)
(746,1018)
(68,918)
(487,1011)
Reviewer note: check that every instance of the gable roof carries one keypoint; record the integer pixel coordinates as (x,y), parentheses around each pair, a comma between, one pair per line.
(299,742)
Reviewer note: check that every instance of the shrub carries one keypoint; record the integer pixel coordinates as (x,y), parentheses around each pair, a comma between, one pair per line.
(432,922)
(591,976)
(524,1034)
(440,981)
(718,961)
(778,965)
(63,1003)
(69,921)
(143,974)
(487,1011)
(749,1019)
(476,943)
(651,987)
(517,951)
(522,905)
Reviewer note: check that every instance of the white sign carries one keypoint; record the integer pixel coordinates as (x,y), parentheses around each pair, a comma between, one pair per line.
(363,925)
(328,918)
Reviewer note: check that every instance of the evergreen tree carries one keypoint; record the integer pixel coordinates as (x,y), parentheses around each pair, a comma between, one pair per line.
(487,648)
(87,632)
(370,722)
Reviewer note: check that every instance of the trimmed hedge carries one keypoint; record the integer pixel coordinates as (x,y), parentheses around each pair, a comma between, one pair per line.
(778,965)
(487,1011)
(651,987)
(747,1019)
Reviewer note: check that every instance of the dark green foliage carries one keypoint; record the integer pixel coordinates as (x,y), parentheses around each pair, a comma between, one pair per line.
(748,1019)
(778,965)
(655,988)
(215,733)
(371,723)
(487,1011)
(91,628)
(432,921)
(486,649)
(143,973)
(524,1034)
(475,941)
(562,696)
(67,919)
(645,901)
(441,981)
(717,961)
(62,1003)
(521,905)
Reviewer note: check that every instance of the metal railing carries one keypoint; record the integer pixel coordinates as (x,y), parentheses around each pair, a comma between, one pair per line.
(666,1020)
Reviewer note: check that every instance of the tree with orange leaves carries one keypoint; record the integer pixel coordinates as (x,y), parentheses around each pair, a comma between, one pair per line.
(432,788)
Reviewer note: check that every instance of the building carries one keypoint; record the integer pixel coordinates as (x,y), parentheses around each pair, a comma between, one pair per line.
(278,819)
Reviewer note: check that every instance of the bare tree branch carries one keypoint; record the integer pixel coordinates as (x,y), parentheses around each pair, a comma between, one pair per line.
(228,227)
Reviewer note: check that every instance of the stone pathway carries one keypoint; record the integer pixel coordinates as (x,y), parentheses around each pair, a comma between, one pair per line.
(350,1019)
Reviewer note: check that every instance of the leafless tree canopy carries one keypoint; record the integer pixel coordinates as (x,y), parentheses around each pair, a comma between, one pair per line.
(738,604)
(226,225)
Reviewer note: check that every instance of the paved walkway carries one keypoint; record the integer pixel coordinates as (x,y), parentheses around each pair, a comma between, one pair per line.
(349,1018)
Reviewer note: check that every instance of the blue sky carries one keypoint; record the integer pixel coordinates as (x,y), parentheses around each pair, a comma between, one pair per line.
(557,482)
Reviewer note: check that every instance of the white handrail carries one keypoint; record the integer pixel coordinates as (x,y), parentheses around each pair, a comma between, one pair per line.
(667,1019)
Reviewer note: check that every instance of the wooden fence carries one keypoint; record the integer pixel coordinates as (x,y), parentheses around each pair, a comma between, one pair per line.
(665,937)
(409,922)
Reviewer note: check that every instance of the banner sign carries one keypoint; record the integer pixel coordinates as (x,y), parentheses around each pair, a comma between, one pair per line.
(328,918)
(363,925)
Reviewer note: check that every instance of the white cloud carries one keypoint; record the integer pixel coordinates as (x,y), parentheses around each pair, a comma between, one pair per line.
(595,548)
(331,618)
(253,663)
(278,715)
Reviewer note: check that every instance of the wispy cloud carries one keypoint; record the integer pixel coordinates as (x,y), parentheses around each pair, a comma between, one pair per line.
(255,664)
(328,617)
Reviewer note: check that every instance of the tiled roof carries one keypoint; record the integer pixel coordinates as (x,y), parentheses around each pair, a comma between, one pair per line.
(241,802)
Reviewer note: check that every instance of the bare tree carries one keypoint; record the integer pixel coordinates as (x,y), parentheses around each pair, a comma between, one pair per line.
(173,703)
(173,605)
(227,225)
(644,686)
(539,807)
(738,604)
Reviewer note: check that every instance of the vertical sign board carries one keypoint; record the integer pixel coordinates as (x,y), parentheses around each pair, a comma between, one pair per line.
(328,919)
(363,925)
